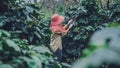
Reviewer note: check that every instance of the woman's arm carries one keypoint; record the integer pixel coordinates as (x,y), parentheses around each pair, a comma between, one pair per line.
(66,27)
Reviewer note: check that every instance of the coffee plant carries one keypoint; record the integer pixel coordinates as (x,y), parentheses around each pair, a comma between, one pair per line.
(103,50)
(90,17)
(25,34)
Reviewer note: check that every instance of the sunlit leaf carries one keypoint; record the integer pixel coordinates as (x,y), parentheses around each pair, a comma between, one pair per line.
(6,33)
(37,61)
(12,44)
(5,66)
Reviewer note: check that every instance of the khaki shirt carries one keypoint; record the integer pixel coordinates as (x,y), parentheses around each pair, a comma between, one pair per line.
(56,41)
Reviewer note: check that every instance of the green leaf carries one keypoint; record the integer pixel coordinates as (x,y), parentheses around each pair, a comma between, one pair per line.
(77,37)
(28,18)
(6,33)
(37,61)
(1,24)
(30,62)
(0,33)
(113,24)
(86,52)
(89,28)
(5,66)
(66,65)
(1,46)
(42,49)
(29,9)
(43,59)
(38,35)
(56,65)
(13,45)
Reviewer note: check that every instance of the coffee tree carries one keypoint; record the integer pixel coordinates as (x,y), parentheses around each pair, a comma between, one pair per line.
(25,33)
(90,17)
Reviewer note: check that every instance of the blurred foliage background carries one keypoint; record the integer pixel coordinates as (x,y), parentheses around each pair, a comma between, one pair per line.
(93,41)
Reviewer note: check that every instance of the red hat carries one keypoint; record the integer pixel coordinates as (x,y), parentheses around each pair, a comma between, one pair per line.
(56,23)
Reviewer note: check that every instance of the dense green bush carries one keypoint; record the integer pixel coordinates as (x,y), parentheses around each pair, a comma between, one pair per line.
(103,50)
(25,33)
(17,53)
(91,17)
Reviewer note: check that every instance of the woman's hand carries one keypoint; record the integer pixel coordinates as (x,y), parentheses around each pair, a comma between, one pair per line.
(64,33)
(74,17)
(71,21)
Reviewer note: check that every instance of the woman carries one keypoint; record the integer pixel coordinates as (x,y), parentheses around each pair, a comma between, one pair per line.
(58,31)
